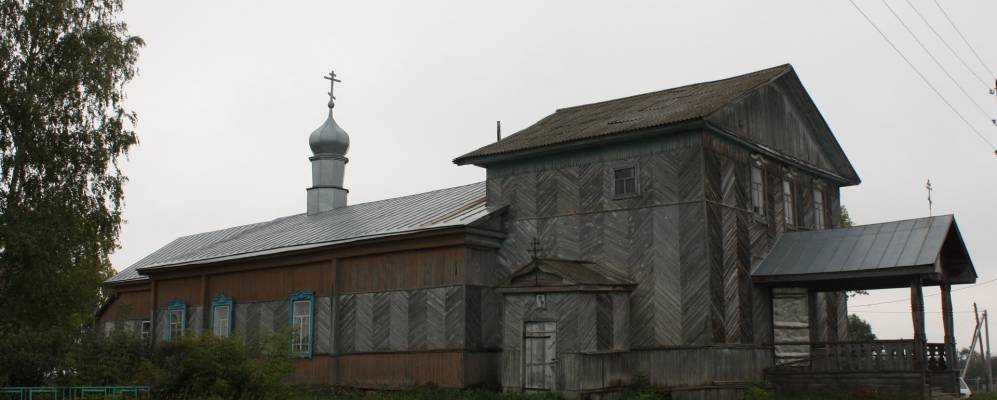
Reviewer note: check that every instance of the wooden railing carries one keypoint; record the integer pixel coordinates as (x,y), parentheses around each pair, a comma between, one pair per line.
(878,355)
(937,357)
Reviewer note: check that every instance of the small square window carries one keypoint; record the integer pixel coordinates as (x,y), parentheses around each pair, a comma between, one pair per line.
(625,181)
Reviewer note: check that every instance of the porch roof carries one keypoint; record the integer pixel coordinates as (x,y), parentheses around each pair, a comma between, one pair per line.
(552,274)
(876,256)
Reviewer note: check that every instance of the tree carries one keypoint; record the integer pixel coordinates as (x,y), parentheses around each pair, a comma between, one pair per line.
(859,330)
(63,129)
(846,220)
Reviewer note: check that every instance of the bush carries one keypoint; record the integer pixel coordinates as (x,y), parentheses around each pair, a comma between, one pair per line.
(99,360)
(193,367)
(757,392)
(211,367)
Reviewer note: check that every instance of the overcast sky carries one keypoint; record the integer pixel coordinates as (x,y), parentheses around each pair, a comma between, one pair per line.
(228,92)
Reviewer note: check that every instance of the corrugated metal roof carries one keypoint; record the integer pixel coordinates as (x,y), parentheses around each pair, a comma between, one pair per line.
(629,113)
(865,248)
(456,206)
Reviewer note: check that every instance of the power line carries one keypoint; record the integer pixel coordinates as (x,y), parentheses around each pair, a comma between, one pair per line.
(964,40)
(928,295)
(946,43)
(923,78)
(904,312)
(938,63)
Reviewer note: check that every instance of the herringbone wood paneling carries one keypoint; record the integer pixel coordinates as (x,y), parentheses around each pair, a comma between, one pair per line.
(696,302)
(381,321)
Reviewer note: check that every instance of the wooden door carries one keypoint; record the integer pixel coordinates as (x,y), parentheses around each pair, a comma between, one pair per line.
(539,355)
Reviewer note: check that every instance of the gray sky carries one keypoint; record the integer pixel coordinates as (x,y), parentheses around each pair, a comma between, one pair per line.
(229,91)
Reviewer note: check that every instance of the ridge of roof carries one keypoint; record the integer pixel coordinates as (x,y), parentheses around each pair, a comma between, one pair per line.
(712,96)
(785,67)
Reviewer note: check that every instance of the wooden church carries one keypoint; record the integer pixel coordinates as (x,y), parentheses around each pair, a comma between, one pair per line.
(689,235)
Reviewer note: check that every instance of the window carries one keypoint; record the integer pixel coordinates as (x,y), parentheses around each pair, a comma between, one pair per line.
(625,181)
(176,320)
(146,330)
(788,202)
(818,208)
(302,310)
(221,316)
(757,190)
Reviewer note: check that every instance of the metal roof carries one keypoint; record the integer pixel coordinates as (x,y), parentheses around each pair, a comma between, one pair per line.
(897,248)
(629,113)
(443,208)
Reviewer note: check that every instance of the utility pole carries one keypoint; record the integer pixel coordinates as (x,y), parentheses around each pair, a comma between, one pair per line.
(979,331)
(972,349)
(990,373)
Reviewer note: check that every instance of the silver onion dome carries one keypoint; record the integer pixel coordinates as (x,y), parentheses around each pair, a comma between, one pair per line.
(330,138)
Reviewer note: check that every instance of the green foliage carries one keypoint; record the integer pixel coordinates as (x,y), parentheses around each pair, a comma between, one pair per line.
(211,367)
(642,389)
(114,360)
(201,367)
(757,392)
(63,128)
(424,392)
(859,330)
(846,220)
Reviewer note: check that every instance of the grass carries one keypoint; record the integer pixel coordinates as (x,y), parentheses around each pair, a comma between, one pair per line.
(639,391)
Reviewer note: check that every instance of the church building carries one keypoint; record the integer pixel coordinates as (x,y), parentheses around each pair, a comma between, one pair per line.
(691,236)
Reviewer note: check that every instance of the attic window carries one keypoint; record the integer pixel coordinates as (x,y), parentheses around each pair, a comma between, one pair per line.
(625,181)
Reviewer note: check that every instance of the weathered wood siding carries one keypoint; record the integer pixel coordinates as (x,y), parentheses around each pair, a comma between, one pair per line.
(129,305)
(403,270)
(586,322)
(187,289)
(781,116)
(270,284)
(656,237)
(739,239)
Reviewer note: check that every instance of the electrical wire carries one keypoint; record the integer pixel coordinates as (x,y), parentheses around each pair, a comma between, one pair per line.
(986,114)
(964,40)
(923,78)
(928,295)
(985,83)
(903,312)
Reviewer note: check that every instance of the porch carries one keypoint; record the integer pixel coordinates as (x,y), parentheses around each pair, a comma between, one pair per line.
(903,254)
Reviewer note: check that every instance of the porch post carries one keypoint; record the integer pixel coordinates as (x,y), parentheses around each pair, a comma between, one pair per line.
(917,316)
(949,325)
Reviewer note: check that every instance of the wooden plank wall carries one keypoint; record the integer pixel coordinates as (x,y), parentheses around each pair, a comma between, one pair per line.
(187,289)
(402,270)
(271,284)
(586,323)
(775,117)
(656,238)
(130,305)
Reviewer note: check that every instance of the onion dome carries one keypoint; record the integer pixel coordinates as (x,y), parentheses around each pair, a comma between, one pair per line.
(330,138)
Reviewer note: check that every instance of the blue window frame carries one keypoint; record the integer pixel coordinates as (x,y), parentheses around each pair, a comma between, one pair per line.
(221,315)
(176,320)
(301,319)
